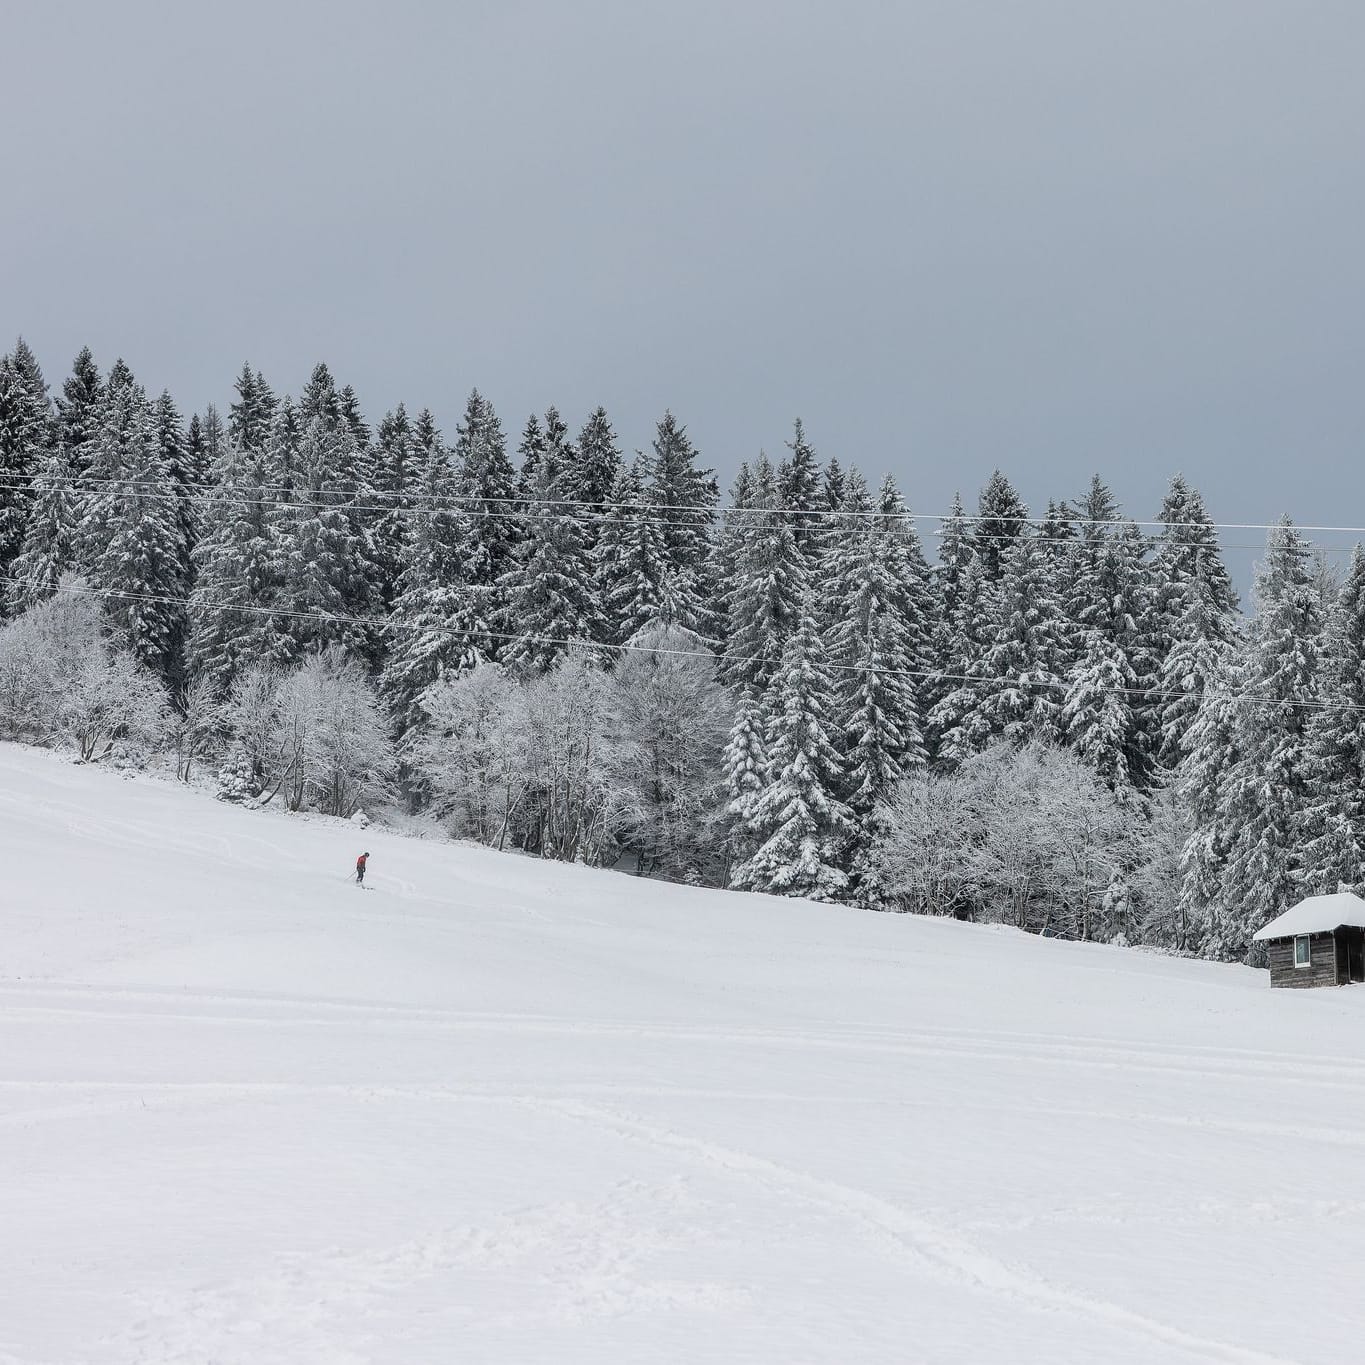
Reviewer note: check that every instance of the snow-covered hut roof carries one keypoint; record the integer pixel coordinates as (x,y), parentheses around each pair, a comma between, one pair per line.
(1316,915)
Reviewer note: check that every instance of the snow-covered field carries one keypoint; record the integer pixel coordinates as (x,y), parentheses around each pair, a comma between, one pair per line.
(496,1110)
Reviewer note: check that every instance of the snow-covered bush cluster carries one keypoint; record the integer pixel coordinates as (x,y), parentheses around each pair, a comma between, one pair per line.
(1062,723)
(64,680)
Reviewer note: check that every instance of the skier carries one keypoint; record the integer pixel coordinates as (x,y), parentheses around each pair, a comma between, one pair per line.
(360,868)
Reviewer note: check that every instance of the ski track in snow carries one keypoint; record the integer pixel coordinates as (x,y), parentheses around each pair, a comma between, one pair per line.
(927,1248)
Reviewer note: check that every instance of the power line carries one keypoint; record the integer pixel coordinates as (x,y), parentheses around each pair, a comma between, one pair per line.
(221,496)
(122,595)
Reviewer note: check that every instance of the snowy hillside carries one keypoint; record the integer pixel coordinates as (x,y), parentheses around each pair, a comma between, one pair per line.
(498,1110)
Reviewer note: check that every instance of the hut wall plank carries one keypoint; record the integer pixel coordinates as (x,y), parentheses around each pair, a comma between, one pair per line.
(1323,972)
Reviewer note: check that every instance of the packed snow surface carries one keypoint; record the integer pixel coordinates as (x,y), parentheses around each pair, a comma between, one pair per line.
(499,1110)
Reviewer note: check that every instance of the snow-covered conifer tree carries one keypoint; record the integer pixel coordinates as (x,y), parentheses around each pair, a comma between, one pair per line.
(1017,682)
(746,768)
(434,631)
(947,645)
(1198,643)
(78,408)
(396,460)
(134,540)
(60,489)
(1002,518)
(877,643)
(238,560)
(489,485)
(629,569)
(956,724)
(25,435)
(1097,713)
(529,452)
(548,592)
(833,485)
(800,491)
(327,583)
(686,498)
(769,584)
(50,535)
(179,469)
(1332,818)
(801,828)
(591,477)
(1263,792)
(251,415)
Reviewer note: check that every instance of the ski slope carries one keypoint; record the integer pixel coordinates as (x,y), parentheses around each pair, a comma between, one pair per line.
(497,1110)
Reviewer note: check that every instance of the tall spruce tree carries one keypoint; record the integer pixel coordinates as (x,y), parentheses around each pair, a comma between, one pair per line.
(629,569)
(1097,714)
(1188,544)
(801,491)
(686,496)
(60,488)
(237,565)
(957,725)
(1332,819)
(1020,673)
(328,586)
(396,461)
(948,649)
(179,466)
(833,485)
(25,436)
(877,644)
(530,452)
(135,548)
(769,585)
(252,413)
(1112,595)
(1002,518)
(592,475)
(1210,753)
(800,827)
(1262,794)
(489,484)
(746,769)
(434,630)
(548,592)
(1198,642)
(78,408)
(729,539)
(50,535)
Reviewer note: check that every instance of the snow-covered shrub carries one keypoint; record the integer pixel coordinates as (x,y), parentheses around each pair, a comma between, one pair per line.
(1029,835)
(315,736)
(197,726)
(671,718)
(473,751)
(250,715)
(332,732)
(236,779)
(61,679)
(574,801)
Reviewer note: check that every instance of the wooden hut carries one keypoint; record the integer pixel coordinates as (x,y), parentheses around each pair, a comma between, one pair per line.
(1318,942)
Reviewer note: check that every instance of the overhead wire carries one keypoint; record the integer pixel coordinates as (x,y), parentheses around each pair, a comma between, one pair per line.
(211,495)
(372,623)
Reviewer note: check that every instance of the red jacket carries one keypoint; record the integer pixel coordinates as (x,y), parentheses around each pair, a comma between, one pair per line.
(360,862)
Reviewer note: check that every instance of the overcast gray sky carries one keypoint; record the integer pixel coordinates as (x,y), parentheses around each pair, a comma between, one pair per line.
(1058,236)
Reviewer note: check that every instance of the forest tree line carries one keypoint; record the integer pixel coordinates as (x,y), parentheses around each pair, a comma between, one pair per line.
(1061,720)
